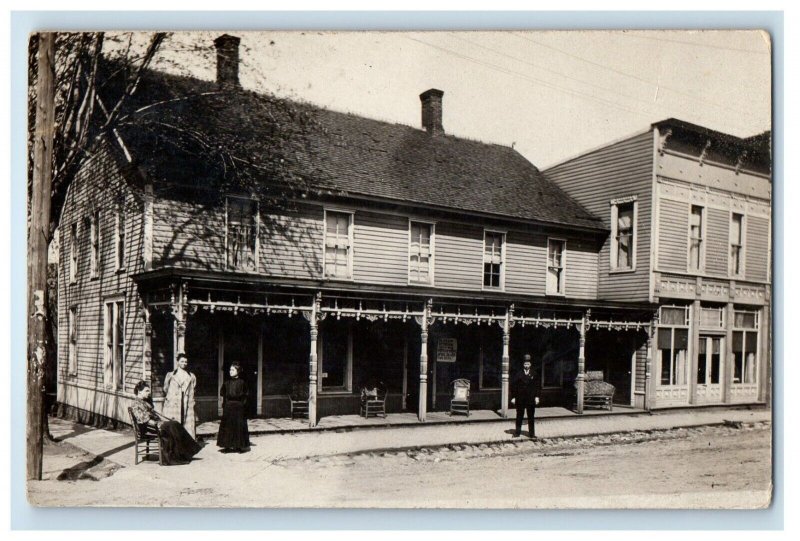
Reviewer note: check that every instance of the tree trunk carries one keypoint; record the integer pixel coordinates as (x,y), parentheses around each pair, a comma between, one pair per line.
(37,253)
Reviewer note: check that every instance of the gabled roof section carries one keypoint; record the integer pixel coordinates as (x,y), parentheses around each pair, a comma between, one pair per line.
(335,153)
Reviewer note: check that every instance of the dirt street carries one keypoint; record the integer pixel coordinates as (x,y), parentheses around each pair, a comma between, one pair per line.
(708,467)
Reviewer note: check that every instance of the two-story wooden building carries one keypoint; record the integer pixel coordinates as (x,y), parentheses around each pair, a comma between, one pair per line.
(409,257)
(689,213)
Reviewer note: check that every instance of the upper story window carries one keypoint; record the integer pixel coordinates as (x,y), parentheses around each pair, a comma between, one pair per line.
(72,337)
(242,233)
(493,256)
(556,249)
(737,242)
(420,253)
(119,240)
(73,252)
(94,240)
(338,244)
(623,235)
(696,232)
(114,354)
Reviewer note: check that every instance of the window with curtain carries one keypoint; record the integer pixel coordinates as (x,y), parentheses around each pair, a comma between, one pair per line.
(673,345)
(745,347)
(119,240)
(736,234)
(72,330)
(242,233)
(94,240)
(73,252)
(493,259)
(555,266)
(113,373)
(623,236)
(338,249)
(420,255)
(696,238)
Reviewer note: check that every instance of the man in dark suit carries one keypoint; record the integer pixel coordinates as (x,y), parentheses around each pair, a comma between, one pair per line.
(525,396)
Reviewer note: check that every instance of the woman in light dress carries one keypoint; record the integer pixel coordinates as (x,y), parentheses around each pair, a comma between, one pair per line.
(179,395)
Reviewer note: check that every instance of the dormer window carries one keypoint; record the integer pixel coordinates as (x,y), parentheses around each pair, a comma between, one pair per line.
(242,233)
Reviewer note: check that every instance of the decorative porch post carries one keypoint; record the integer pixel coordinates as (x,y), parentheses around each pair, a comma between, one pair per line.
(581,379)
(147,347)
(505,362)
(313,321)
(423,360)
(648,365)
(179,306)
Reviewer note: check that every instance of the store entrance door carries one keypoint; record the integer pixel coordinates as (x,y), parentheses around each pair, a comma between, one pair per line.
(710,352)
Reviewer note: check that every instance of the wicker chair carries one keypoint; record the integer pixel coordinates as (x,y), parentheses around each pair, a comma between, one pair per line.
(298,401)
(596,392)
(459,401)
(146,440)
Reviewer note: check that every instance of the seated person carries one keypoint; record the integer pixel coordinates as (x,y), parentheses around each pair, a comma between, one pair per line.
(177,445)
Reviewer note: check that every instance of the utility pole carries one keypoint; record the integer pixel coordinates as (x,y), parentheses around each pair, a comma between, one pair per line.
(38,236)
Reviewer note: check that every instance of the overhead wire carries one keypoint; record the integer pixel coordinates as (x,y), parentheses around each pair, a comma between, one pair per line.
(659,86)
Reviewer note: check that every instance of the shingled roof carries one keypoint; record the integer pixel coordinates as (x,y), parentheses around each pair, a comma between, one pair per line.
(344,154)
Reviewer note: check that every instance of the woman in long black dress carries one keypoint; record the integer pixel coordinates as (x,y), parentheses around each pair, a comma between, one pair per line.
(177,445)
(233,434)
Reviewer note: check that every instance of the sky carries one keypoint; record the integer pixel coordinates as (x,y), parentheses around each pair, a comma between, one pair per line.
(551,94)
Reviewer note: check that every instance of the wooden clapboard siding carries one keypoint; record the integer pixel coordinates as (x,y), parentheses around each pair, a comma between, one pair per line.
(99,187)
(756,247)
(641,368)
(621,169)
(188,234)
(717,241)
(380,248)
(291,242)
(526,260)
(581,273)
(459,256)
(673,236)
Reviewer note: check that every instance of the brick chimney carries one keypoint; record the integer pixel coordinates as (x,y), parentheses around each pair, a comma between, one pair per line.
(432,111)
(227,61)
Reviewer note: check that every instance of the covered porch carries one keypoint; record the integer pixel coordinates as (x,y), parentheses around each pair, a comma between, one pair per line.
(334,342)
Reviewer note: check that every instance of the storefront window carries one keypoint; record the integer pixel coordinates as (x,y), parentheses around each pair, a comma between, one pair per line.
(745,347)
(673,344)
(337,356)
